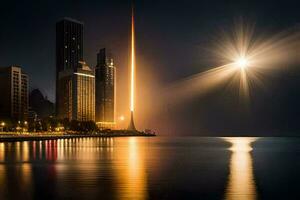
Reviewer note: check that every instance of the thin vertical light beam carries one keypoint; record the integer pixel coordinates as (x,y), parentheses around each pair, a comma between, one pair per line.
(132,81)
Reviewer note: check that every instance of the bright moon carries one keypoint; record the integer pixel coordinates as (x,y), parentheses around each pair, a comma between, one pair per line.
(242,63)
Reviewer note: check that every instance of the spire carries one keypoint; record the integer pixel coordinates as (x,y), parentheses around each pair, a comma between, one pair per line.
(131,126)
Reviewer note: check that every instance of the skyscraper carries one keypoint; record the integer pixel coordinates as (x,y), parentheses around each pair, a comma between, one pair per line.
(105,72)
(69,51)
(69,44)
(14,94)
(75,81)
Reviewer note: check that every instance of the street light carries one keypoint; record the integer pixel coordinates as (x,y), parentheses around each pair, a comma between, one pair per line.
(2,126)
(122,118)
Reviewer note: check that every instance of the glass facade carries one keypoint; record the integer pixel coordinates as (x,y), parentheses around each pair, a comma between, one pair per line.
(105,90)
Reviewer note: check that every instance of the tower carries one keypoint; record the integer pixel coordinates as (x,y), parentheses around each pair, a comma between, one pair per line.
(105,73)
(75,81)
(131,126)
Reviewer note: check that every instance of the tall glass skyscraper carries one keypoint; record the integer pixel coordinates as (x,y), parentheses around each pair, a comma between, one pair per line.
(69,44)
(75,81)
(105,73)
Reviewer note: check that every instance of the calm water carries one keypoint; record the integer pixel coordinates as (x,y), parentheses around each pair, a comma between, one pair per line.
(151,168)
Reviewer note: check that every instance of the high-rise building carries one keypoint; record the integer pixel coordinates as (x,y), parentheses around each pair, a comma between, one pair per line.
(69,52)
(75,81)
(69,44)
(105,73)
(14,94)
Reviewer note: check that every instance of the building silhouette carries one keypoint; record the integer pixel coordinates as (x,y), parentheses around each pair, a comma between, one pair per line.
(40,105)
(75,81)
(105,73)
(14,94)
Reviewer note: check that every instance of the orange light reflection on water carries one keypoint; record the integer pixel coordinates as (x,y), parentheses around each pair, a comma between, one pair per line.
(241,181)
(132,173)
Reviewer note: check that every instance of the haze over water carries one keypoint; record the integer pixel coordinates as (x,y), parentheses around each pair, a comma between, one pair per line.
(151,168)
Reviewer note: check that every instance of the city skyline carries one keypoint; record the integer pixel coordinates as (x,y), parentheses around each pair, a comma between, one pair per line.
(150,99)
(177,53)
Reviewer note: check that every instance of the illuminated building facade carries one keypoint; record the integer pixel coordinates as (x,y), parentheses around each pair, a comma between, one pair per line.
(76,94)
(14,94)
(105,73)
(75,81)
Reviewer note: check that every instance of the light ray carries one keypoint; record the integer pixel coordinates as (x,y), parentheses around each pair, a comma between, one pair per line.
(132,78)
(199,83)
(249,58)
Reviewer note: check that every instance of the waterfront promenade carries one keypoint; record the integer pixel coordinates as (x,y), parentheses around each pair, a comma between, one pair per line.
(13,136)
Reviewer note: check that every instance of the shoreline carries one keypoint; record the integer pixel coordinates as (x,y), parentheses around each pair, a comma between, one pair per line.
(40,137)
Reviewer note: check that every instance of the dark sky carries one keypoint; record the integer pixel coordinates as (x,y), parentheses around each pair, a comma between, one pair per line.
(172,38)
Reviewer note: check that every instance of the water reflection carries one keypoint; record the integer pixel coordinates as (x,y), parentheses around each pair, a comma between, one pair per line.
(241,182)
(97,167)
(127,168)
(131,175)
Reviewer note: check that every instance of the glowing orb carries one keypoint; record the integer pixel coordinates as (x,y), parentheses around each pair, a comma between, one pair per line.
(122,118)
(242,62)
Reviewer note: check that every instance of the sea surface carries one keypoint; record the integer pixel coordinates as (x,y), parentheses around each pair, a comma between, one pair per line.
(151,168)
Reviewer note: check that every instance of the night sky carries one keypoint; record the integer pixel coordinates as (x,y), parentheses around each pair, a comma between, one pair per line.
(174,39)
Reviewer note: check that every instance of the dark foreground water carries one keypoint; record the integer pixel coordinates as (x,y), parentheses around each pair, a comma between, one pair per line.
(151,168)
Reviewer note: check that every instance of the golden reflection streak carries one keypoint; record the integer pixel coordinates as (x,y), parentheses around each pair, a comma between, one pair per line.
(241,182)
(2,152)
(26,170)
(25,151)
(132,181)
(2,171)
